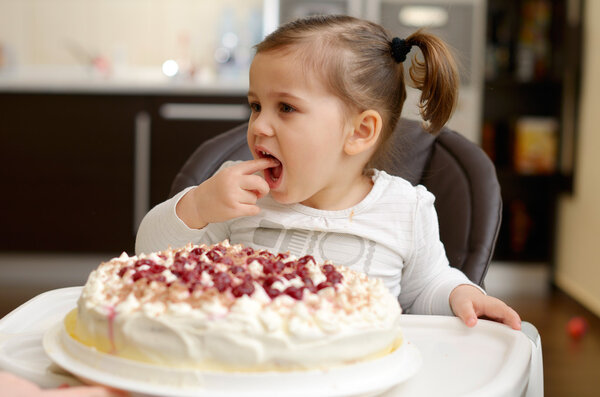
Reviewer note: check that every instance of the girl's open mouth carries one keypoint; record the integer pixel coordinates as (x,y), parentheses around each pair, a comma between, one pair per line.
(273,174)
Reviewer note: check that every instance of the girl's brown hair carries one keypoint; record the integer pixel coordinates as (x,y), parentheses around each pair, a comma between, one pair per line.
(354,59)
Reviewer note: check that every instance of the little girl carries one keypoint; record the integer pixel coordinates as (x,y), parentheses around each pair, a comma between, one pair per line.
(326,93)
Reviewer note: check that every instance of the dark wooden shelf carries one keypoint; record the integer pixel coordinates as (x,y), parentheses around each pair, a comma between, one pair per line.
(506,100)
(529,214)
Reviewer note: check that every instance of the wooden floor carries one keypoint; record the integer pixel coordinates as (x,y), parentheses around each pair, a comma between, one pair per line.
(571,368)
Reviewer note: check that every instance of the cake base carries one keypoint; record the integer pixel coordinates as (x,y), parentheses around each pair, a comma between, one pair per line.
(106,346)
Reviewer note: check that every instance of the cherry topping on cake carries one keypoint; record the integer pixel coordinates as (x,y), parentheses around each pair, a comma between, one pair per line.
(197,251)
(225,260)
(213,255)
(305,259)
(258,259)
(157,269)
(309,284)
(333,276)
(323,284)
(236,269)
(266,254)
(294,292)
(303,272)
(222,281)
(245,288)
(272,292)
(221,248)
(142,262)
(278,266)
(235,272)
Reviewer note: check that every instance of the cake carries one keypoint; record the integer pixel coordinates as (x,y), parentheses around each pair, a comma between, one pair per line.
(232,308)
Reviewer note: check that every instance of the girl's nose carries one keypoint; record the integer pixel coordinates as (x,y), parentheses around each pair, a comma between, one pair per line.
(261,126)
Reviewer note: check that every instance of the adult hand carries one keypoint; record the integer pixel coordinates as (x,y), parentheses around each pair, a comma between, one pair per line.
(230,193)
(13,386)
(468,303)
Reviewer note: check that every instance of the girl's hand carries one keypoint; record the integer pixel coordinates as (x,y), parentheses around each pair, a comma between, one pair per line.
(12,385)
(230,193)
(468,303)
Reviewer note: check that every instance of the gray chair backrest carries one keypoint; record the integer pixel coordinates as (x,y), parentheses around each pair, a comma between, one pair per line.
(459,174)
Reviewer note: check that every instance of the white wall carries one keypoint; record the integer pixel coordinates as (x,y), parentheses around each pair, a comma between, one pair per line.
(143,32)
(578,238)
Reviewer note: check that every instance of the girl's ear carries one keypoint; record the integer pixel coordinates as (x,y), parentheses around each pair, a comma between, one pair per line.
(365,133)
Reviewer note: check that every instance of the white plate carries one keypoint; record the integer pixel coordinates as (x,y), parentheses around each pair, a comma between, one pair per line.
(366,378)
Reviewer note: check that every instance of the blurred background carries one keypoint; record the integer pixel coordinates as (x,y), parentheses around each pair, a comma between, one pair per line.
(102,101)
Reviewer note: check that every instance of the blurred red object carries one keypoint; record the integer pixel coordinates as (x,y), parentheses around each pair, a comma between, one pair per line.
(577,327)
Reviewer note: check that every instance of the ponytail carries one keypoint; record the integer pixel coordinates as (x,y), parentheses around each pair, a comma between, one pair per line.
(436,76)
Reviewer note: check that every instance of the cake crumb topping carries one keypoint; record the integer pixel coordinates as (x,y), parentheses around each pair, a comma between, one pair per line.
(197,275)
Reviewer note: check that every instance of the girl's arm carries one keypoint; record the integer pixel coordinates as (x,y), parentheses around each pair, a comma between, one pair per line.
(161,228)
(199,214)
(431,286)
(427,278)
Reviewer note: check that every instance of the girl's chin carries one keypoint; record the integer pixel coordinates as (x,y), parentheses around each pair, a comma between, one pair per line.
(280,197)
(283,198)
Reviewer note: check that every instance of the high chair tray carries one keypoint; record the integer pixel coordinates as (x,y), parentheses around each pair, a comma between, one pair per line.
(487,360)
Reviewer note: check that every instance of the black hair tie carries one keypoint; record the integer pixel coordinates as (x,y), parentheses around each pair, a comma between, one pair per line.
(399,49)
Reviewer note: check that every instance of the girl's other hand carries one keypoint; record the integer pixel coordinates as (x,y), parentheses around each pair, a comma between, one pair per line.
(13,386)
(468,303)
(230,193)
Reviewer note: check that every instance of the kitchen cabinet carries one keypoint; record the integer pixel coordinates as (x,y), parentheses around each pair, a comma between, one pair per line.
(180,125)
(79,170)
(66,172)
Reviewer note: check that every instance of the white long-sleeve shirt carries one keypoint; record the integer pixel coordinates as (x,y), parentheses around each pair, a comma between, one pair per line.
(391,234)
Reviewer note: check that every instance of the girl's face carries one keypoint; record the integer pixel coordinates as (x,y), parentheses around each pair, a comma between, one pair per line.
(297,121)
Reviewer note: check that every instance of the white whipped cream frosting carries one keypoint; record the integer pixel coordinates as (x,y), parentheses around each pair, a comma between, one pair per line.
(355,319)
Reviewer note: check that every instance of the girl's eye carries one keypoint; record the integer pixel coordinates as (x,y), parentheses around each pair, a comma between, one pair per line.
(255,107)
(285,108)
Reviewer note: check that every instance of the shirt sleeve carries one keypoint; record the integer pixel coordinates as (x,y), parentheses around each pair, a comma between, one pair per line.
(428,279)
(161,228)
